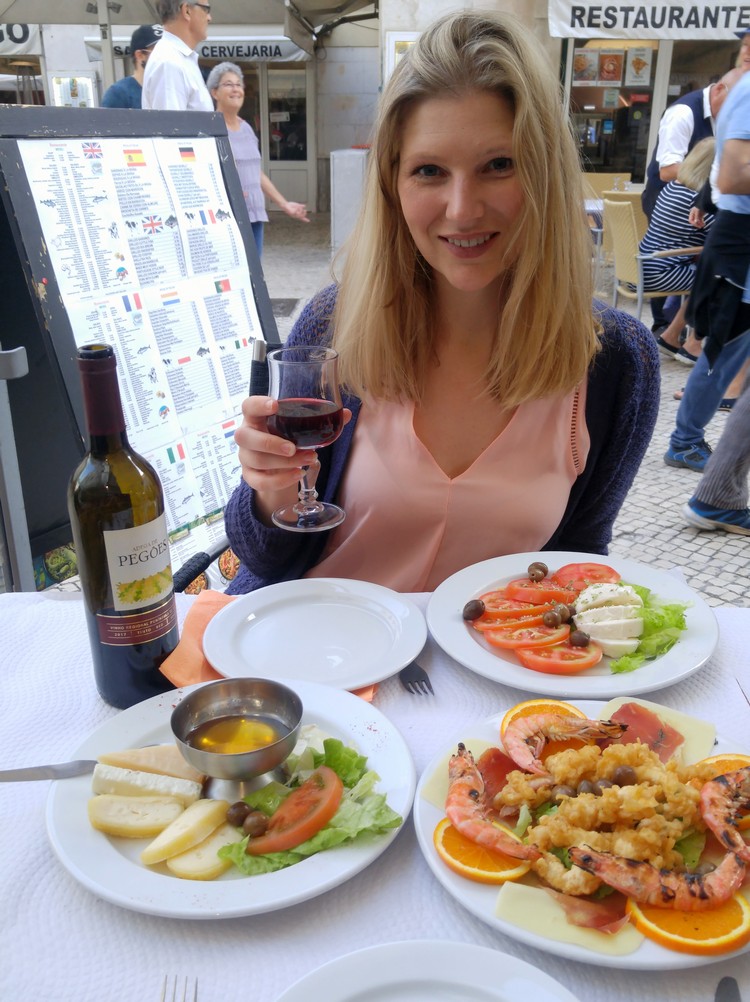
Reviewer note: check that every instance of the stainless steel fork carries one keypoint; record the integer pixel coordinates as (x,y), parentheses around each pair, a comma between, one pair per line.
(415,679)
(182,990)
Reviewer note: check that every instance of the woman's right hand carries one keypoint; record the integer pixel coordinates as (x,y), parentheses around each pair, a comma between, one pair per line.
(272,466)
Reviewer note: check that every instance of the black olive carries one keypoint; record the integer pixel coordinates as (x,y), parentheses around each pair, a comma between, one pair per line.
(537,571)
(255,824)
(552,618)
(473,609)
(585,787)
(579,639)
(237,813)
(600,785)
(560,792)
(563,612)
(624,775)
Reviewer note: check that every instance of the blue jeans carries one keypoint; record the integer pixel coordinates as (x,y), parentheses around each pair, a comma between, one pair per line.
(258,234)
(704,391)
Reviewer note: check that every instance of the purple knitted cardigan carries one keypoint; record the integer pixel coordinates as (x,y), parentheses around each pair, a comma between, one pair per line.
(622,401)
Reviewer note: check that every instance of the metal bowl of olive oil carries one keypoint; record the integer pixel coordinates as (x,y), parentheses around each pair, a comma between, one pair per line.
(239,728)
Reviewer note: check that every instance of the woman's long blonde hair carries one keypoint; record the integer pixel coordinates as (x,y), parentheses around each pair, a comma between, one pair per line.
(383,321)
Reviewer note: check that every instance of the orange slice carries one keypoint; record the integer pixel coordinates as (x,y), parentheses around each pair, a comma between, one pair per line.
(706,933)
(474,861)
(730,762)
(532,707)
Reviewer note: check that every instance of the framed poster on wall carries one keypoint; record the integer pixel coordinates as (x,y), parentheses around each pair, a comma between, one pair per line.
(396,44)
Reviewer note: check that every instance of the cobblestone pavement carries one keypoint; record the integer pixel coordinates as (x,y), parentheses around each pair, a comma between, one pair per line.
(650,527)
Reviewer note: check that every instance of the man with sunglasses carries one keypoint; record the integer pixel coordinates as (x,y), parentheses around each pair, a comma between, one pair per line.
(173,80)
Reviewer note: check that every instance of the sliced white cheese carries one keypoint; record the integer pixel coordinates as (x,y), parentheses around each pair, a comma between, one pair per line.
(202,861)
(700,736)
(603,613)
(616,648)
(606,594)
(133,817)
(615,629)
(194,824)
(132,783)
(165,760)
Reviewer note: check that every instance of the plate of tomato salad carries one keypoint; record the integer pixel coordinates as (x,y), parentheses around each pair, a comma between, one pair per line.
(516,602)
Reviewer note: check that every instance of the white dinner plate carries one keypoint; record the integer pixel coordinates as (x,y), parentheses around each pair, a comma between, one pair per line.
(343,633)
(427,971)
(110,868)
(480,899)
(467,646)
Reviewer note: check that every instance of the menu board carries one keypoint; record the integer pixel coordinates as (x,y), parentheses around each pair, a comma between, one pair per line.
(145,250)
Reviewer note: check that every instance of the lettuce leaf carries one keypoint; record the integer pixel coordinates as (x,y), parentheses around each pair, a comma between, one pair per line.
(663,623)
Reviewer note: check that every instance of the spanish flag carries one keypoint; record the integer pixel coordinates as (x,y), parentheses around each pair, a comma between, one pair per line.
(134,158)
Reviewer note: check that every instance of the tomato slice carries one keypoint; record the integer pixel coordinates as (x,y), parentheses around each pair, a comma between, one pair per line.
(539,592)
(304,812)
(580,576)
(491,620)
(560,659)
(512,636)
(499,603)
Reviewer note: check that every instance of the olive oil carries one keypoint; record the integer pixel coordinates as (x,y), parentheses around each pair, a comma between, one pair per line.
(234,735)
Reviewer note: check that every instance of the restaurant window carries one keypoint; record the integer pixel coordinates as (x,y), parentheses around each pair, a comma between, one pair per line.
(287,112)
(698,63)
(611,98)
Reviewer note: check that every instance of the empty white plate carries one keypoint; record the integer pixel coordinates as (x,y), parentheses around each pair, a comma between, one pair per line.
(334,631)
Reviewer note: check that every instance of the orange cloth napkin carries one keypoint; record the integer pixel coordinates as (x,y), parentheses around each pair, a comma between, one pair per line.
(187,664)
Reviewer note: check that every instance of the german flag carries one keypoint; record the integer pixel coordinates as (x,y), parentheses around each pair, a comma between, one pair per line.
(187,153)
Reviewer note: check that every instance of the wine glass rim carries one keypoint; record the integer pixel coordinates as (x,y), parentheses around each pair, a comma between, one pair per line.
(308,353)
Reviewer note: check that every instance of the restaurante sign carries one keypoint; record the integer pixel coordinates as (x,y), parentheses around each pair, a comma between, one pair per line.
(648,19)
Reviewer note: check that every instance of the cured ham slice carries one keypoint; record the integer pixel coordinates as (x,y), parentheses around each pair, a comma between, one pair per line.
(494,766)
(607,915)
(645,726)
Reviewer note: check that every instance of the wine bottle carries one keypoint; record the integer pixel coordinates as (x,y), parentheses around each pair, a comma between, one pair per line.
(116,508)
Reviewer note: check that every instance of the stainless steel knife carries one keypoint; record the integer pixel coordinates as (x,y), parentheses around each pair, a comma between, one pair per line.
(62,771)
(728,990)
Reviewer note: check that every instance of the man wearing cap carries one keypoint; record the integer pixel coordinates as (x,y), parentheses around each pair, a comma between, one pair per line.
(173,80)
(126,93)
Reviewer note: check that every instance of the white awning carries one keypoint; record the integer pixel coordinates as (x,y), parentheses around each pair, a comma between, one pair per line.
(235,48)
(699,19)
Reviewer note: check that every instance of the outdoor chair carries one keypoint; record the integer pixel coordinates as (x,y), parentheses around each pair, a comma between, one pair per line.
(619,220)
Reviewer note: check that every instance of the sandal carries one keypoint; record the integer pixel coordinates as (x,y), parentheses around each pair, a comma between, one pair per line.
(678,393)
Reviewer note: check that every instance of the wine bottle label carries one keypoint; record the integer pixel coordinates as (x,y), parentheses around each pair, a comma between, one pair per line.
(139,566)
(141,627)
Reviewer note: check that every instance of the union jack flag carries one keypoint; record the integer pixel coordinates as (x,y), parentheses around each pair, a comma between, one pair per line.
(153,224)
(92,151)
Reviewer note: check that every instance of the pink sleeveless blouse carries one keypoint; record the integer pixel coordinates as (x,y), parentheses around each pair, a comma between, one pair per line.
(409,526)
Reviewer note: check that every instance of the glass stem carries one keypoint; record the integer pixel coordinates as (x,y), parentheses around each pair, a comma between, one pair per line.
(308,497)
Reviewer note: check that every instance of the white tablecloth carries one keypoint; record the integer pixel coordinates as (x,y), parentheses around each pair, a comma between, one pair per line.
(59,943)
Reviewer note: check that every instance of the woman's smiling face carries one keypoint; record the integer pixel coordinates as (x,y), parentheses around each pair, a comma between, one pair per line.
(458,188)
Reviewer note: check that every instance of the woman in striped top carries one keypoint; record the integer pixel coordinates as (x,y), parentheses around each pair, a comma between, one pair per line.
(670,227)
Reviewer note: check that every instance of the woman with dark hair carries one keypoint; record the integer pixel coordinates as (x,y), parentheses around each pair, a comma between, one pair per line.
(492,408)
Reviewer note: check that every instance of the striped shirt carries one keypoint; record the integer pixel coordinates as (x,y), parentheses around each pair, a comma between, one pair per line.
(669,227)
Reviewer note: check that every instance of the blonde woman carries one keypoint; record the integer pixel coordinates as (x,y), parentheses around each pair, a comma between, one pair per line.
(493,410)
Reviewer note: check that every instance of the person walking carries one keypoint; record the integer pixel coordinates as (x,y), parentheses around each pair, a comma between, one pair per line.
(173,80)
(492,407)
(689,119)
(126,93)
(719,306)
(226,86)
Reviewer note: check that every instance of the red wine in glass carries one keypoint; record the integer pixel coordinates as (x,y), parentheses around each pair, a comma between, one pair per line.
(309,423)
(303,380)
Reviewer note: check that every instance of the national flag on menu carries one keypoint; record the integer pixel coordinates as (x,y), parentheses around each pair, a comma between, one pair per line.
(187,153)
(134,157)
(241,343)
(92,151)
(132,302)
(169,298)
(207,217)
(228,429)
(181,361)
(153,224)
(176,452)
(223,285)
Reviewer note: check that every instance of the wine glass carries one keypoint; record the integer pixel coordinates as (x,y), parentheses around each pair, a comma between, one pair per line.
(304,380)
